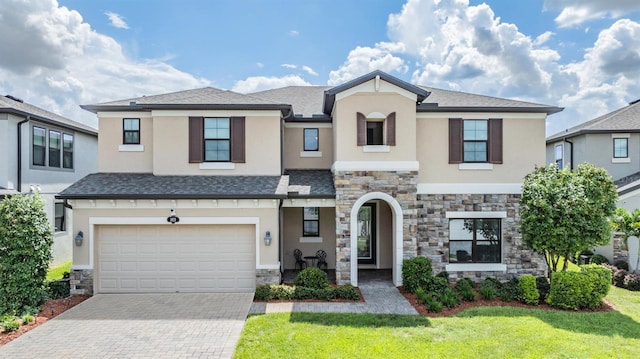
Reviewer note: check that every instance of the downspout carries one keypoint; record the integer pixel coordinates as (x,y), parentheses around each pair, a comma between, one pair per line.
(281,240)
(19,180)
(571,156)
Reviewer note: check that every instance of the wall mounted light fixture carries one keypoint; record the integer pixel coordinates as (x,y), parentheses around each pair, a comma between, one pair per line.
(267,239)
(173,219)
(79,238)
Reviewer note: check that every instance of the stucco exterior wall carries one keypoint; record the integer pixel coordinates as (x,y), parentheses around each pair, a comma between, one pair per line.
(292,226)
(523,149)
(293,149)
(113,156)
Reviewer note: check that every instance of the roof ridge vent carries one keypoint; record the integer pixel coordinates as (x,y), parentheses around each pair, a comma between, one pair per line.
(14,98)
(132,103)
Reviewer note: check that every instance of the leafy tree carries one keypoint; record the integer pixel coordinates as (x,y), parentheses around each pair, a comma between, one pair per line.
(626,222)
(564,212)
(25,251)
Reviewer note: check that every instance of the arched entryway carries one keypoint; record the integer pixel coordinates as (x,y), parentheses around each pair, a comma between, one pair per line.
(397,234)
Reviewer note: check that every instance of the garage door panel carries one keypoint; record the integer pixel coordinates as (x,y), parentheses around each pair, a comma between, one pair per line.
(189,258)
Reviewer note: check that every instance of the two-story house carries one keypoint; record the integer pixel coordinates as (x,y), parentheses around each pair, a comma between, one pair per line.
(211,190)
(42,151)
(610,141)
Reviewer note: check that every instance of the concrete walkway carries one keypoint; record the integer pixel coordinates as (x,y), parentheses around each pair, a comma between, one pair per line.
(180,325)
(380,298)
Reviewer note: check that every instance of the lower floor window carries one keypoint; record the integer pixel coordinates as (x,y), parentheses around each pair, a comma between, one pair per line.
(475,240)
(311,222)
(60,225)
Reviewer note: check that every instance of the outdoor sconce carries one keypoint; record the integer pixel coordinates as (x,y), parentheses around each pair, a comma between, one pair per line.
(173,219)
(79,238)
(267,239)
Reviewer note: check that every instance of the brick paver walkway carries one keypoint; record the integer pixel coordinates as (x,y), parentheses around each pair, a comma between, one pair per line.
(180,325)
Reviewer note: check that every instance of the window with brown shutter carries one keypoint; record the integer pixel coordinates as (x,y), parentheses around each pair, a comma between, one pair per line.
(475,141)
(495,140)
(391,129)
(362,129)
(372,131)
(222,140)
(455,140)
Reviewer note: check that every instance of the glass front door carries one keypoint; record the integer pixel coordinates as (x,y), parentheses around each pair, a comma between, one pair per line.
(367,234)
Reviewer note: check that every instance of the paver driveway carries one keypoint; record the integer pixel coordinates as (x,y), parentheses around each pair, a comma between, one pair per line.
(180,325)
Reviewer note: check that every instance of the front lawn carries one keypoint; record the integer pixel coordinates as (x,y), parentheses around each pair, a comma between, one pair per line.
(57,272)
(486,332)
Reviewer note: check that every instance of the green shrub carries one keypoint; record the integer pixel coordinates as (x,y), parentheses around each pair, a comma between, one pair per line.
(282,292)
(542,283)
(598,259)
(10,325)
(489,288)
(444,274)
(347,292)
(631,282)
(25,243)
(528,287)
(622,264)
(429,300)
(27,319)
(327,294)
(312,277)
(58,289)
(437,285)
(510,290)
(416,273)
(579,290)
(464,287)
(449,298)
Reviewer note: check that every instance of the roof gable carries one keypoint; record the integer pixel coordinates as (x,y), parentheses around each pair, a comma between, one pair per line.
(330,94)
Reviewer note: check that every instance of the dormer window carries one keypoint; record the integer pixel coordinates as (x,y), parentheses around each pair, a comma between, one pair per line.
(376,129)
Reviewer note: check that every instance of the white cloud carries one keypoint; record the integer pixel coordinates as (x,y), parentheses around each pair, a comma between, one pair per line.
(289,66)
(575,12)
(260,65)
(261,83)
(57,62)
(116,20)
(309,70)
(543,38)
(294,33)
(362,60)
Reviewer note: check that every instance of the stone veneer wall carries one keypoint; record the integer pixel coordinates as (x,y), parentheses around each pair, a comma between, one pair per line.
(620,252)
(433,229)
(350,186)
(267,276)
(81,281)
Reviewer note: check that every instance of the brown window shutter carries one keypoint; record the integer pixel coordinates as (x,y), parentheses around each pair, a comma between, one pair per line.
(237,140)
(196,139)
(455,140)
(391,129)
(495,140)
(362,129)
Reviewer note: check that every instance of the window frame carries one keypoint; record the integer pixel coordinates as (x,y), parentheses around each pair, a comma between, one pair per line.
(62,217)
(559,155)
(315,220)
(51,151)
(484,141)
(46,149)
(68,150)
(226,139)
(626,147)
(42,149)
(304,140)
(474,241)
(373,137)
(125,131)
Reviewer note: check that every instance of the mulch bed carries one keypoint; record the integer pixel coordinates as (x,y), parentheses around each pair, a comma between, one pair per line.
(50,310)
(446,312)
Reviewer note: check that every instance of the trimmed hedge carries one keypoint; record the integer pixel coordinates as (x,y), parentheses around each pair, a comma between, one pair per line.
(580,290)
(312,277)
(529,289)
(416,273)
(287,292)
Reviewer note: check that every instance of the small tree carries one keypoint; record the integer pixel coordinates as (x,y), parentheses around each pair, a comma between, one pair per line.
(626,222)
(25,251)
(564,212)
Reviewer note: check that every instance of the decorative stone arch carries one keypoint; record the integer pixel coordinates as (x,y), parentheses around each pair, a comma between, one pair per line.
(398,236)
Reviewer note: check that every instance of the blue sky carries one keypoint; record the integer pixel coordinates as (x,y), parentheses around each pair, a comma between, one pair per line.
(583,55)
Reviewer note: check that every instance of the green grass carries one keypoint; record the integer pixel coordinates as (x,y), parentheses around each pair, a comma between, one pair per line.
(484,332)
(55,273)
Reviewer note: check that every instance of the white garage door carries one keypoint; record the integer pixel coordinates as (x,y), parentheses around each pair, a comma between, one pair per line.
(176,258)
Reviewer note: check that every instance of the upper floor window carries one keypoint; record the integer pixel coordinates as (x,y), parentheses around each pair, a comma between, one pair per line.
(475,141)
(51,148)
(376,129)
(131,131)
(60,217)
(620,147)
(559,155)
(475,240)
(311,222)
(311,139)
(216,139)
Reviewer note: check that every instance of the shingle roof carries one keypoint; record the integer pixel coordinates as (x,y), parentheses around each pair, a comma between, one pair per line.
(25,109)
(625,119)
(149,186)
(305,100)
(319,181)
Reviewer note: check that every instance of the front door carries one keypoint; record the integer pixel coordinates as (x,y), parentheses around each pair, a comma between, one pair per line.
(367,234)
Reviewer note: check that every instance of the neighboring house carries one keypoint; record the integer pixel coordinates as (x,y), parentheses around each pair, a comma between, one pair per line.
(610,141)
(45,152)
(211,190)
